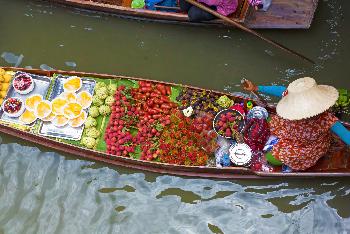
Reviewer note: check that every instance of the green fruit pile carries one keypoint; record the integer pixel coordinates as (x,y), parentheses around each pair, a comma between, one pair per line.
(102,101)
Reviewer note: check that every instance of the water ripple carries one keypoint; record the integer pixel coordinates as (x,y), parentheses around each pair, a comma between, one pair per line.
(43,192)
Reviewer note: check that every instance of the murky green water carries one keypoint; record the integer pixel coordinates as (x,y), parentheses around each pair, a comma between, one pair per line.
(45,192)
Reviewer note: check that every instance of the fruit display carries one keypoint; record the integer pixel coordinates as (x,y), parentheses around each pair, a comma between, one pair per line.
(5,79)
(13,107)
(118,137)
(98,114)
(145,124)
(23,83)
(199,100)
(72,110)
(137,119)
(228,122)
(49,118)
(32,101)
(60,120)
(27,117)
(58,104)
(79,120)
(143,120)
(72,84)
(67,108)
(186,141)
(68,96)
(84,98)
(43,109)
(224,101)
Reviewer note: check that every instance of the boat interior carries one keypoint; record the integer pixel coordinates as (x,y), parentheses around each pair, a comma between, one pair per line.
(239,15)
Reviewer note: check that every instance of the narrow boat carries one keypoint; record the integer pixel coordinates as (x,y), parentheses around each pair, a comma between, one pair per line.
(68,140)
(282,14)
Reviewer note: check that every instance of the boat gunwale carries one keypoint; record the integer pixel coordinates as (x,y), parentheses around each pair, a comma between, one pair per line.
(158,167)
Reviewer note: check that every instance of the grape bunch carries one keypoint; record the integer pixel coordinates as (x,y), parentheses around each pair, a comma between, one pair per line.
(200,100)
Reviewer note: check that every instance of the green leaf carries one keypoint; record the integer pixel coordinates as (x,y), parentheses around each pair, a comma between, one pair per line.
(159,127)
(102,122)
(344,98)
(133,131)
(137,153)
(128,83)
(175,92)
(343,92)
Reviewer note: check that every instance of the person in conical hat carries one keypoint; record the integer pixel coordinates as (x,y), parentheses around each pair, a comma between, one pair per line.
(303,124)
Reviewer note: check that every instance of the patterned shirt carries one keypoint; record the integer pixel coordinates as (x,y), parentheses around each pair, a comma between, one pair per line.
(302,142)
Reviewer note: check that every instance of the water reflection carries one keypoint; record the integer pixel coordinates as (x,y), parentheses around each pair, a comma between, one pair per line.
(12,59)
(43,192)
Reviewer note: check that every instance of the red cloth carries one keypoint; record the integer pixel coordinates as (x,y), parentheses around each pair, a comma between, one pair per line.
(302,142)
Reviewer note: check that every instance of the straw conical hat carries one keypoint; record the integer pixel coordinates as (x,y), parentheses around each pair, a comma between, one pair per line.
(306,99)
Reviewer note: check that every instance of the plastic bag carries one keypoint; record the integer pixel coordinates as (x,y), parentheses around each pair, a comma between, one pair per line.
(222,154)
(259,163)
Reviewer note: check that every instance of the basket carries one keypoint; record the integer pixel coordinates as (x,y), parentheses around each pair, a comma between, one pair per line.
(239,122)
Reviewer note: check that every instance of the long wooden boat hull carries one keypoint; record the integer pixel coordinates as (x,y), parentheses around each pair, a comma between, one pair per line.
(335,164)
(282,14)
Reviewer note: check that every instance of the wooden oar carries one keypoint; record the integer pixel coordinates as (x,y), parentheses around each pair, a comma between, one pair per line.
(260,100)
(238,25)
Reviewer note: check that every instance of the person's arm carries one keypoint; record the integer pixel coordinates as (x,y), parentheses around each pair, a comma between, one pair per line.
(272,90)
(341,132)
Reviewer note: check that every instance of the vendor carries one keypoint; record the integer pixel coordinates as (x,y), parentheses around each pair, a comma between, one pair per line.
(195,14)
(303,123)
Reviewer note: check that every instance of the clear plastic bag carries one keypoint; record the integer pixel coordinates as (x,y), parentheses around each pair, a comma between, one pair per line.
(222,157)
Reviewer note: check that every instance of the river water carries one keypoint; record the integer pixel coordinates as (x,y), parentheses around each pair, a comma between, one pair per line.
(45,192)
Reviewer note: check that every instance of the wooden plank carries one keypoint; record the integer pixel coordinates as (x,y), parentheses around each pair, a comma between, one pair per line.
(337,161)
(322,164)
(284,14)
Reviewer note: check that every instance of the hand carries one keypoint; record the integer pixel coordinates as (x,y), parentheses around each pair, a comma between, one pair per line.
(249,86)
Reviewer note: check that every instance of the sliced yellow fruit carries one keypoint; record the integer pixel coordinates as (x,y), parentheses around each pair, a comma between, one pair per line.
(3,94)
(69,96)
(43,109)
(32,101)
(27,117)
(80,120)
(58,105)
(7,77)
(84,98)
(72,110)
(72,84)
(49,118)
(60,121)
(2,71)
(5,86)
(12,73)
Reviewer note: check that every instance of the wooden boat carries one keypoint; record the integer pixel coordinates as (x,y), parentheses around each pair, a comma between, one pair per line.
(335,164)
(282,14)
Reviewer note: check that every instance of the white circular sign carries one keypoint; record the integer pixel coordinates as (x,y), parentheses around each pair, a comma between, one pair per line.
(240,154)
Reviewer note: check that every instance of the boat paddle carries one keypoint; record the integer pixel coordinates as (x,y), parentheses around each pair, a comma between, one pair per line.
(238,25)
(260,100)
